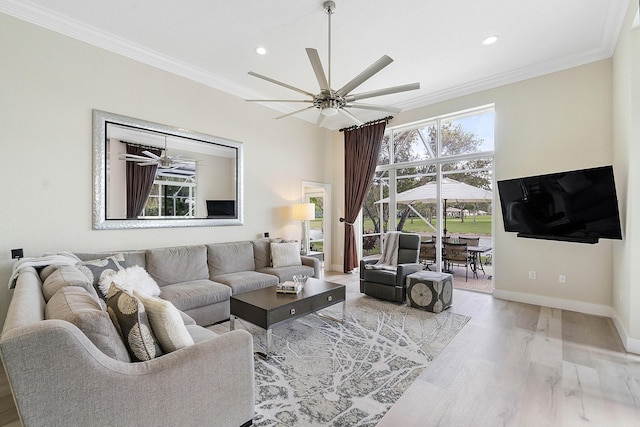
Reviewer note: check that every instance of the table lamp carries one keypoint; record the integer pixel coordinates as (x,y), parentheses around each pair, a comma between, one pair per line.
(304,212)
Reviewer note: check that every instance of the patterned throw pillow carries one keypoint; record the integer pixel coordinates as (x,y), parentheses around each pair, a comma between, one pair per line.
(130,319)
(285,254)
(100,268)
(166,322)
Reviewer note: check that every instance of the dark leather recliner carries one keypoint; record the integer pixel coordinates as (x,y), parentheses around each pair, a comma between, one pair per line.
(387,284)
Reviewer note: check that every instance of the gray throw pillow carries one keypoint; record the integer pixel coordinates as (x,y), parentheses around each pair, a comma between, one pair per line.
(67,275)
(130,318)
(74,305)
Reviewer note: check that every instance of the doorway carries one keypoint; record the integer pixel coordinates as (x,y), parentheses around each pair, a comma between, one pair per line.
(319,229)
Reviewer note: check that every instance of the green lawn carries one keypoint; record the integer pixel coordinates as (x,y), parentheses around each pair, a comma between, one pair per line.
(481,226)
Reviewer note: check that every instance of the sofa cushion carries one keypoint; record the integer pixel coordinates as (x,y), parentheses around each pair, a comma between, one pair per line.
(199,334)
(231,257)
(196,293)
(66,275)
(286,273)
(75,305)
(132,279)
(130,318)
(261,253)
(166,323)
(97,269)
(285,254)
(245,281)
(177,264)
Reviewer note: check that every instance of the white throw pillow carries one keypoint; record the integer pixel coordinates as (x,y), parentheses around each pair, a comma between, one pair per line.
(166,323)
(285,254)
(131,279)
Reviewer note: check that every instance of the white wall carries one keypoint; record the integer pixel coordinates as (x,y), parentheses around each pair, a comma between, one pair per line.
(626,131)
(49,85)
(557,122)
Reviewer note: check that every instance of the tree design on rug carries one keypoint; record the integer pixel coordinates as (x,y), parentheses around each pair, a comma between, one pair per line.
(324,372)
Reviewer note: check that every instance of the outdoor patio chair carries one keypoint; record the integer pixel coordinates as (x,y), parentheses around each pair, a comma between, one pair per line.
(389,284)
(456,254)
(470,241)
(428,253)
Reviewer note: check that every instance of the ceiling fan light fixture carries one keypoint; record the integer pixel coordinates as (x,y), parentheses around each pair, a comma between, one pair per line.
(329,111)
(261,51)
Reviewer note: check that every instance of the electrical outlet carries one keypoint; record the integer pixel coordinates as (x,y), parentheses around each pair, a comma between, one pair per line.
(532,275)
(17,253)
(562,278)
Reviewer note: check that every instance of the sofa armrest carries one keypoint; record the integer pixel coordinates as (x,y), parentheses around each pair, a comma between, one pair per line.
(406,269)
(312,262)
(58,377)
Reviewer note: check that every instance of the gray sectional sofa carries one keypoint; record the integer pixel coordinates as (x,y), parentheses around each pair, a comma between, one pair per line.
(62,376)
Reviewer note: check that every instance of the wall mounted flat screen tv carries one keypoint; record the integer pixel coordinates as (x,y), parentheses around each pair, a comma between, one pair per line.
(576,206)
(221,209)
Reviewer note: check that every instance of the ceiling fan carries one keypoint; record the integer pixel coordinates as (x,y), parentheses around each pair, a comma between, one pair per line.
(331,102)
(177,164)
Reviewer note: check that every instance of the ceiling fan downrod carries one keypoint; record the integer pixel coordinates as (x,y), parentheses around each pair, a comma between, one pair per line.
(330,8)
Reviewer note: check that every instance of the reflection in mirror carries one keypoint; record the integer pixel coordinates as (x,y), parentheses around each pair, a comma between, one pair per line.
(151,175)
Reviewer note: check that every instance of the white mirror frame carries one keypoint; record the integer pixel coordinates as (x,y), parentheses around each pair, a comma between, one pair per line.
(100,222)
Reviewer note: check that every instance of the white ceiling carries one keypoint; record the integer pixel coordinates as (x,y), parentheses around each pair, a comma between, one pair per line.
(434,42)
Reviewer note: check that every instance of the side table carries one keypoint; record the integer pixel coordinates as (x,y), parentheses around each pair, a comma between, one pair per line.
(430,291)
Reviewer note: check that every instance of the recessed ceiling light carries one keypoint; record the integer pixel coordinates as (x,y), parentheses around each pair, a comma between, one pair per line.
(261,50)
(490,40)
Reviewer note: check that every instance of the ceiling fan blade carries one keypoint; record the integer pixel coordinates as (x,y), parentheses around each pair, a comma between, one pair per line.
(380,92)
(317,68)
(374,107)
(150,154)
(149,163)
(279,100)
(269,79)
(295,112)
(320,120)
(365,75)
(132,157)
(351,116)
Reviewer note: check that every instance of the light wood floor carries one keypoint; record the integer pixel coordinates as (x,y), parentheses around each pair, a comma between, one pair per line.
(512,365)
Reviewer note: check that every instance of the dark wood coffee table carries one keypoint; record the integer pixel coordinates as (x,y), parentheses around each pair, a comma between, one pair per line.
(267,309)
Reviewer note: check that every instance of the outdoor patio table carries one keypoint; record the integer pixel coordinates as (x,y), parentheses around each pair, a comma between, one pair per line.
(476,260)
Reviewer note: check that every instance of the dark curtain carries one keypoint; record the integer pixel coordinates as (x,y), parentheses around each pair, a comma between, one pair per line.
(139,180)
(361,149)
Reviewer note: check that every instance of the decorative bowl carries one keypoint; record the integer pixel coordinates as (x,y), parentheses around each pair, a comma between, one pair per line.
(300,279)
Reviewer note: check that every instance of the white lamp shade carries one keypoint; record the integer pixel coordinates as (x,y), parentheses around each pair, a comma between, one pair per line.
(304,211)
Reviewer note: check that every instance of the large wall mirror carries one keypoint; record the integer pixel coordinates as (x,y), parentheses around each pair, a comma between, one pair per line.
(149,175)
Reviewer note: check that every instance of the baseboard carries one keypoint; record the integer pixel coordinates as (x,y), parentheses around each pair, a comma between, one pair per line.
(564,304)
(632,345)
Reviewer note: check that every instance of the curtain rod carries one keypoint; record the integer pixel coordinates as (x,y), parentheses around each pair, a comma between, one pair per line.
(135,144)
(372,122)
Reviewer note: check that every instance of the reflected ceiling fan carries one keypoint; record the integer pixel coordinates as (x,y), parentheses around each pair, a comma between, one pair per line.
(177,164)
(331,102)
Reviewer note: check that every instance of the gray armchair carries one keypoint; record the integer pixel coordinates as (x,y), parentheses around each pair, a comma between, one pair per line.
(390,285)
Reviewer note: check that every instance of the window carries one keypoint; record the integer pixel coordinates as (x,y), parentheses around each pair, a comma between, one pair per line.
(418,158)
(171,196)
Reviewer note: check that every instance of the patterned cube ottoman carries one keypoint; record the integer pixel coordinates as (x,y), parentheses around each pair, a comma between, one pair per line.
(430,291)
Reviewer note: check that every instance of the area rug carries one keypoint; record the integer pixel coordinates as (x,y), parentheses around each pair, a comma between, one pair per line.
(326,373)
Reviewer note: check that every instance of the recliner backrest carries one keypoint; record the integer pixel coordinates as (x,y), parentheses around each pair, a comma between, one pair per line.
(408,248)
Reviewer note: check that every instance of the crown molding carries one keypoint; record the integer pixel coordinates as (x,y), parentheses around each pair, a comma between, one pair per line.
(80,31)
